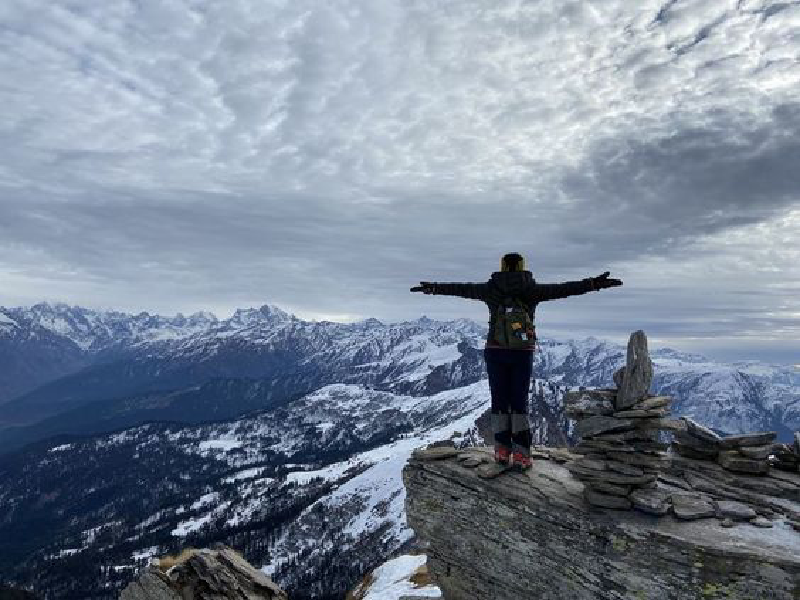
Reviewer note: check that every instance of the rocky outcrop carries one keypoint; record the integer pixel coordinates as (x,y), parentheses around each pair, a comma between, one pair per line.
(532,535)
(217,574)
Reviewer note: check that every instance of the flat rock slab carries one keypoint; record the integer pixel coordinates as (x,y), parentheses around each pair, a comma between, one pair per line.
(652,501)
(641,414)
(598,498)
(595,425)
(735,510)
(761,522)
(491,470)
(624,468)
(690,506)
(697,443)
(588,403)
(757,452)
(611,488)
(473,461)
(689,452)
(656,460)
(663,424)
(436,453)
(733,461)
(697,430)
(652,402)
(747,439)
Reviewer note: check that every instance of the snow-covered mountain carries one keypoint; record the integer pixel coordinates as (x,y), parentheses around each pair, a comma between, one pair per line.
(106,370)
(307,486)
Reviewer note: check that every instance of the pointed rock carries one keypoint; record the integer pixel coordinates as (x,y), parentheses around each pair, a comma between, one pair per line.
(638,372)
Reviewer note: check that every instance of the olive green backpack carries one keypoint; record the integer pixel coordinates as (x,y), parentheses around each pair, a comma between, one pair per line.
(513,326)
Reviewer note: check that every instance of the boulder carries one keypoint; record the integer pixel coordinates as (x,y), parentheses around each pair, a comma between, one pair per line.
(216,574)
(638,372)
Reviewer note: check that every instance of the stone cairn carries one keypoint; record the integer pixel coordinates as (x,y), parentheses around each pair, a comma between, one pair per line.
(750,453)
(620,441)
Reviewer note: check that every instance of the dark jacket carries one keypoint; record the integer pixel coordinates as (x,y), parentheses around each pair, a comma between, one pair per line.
(513,284)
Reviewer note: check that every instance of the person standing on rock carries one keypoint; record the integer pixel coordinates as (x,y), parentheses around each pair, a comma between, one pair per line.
(512,295)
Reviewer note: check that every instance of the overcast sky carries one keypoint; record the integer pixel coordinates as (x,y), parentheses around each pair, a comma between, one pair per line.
(178,155)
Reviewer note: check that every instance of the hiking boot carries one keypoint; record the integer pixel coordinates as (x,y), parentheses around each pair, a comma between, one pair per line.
(522,462)
(502,455)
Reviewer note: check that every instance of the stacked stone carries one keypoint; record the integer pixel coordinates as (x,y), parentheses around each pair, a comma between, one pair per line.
(747,453)
(787,456)
(619,430)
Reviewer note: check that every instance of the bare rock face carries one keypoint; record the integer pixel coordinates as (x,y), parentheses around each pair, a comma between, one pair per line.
(638,372)
(532,536)
(217,574)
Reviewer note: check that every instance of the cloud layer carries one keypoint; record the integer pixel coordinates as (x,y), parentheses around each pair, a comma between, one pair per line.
(325,157)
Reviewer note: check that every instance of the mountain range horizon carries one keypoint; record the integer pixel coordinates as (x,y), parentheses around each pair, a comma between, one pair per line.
(275,310)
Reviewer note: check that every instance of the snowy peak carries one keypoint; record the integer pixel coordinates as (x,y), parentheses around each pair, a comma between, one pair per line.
(268,314)
(6,321)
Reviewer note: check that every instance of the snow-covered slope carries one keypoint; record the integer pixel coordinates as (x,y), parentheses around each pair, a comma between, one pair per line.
(396,579)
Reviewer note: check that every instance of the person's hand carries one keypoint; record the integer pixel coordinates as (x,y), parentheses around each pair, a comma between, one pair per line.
(603,281)
(424,286)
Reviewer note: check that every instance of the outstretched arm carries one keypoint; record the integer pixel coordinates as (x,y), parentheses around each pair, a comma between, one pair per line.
(554,291)
(473,291)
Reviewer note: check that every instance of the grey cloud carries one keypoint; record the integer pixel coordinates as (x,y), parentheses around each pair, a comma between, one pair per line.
(326,157)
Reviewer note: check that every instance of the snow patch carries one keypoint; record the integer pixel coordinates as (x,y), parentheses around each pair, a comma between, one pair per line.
(392,580)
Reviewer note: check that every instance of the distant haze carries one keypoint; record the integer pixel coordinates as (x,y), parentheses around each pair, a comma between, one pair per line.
(327,156)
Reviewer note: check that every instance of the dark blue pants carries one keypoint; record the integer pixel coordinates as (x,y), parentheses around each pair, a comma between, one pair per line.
(509,381)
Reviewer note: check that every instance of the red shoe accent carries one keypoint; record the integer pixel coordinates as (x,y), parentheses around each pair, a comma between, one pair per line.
(522,460)
(501,455)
